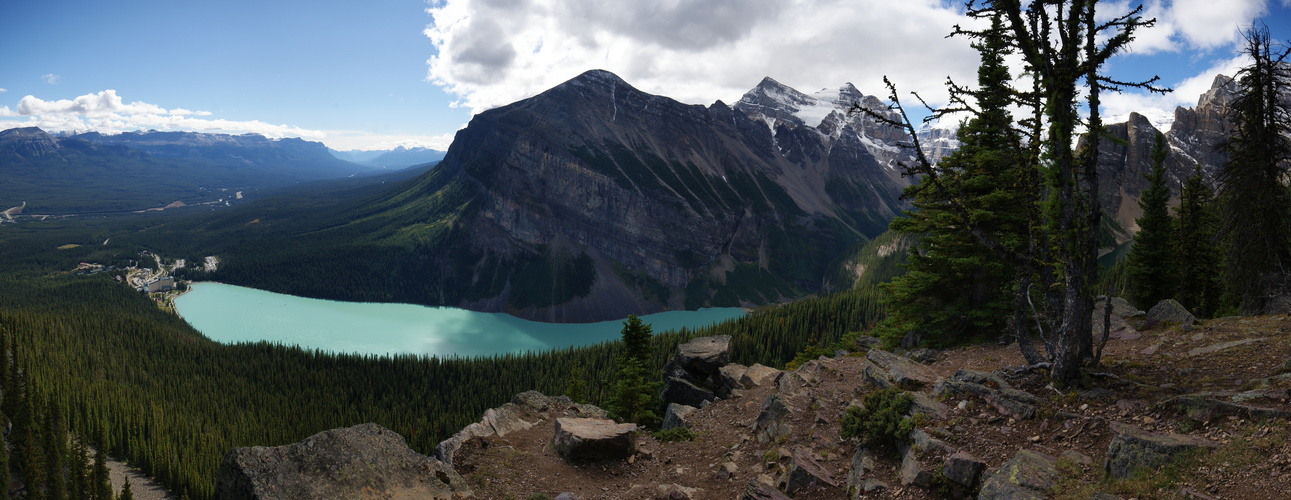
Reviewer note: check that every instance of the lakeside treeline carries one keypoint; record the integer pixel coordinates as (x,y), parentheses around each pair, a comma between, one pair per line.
(173,403)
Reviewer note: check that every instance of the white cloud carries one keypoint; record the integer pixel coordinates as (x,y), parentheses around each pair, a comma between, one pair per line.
(1194,24)
(6,90)
(493,52)
(51,78)
(1158,108)
(106,112)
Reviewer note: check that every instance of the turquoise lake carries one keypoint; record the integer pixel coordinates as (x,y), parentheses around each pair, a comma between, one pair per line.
(230,314)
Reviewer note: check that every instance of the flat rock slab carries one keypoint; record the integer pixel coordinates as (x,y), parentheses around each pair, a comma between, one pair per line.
(589,439)
(902,371)
(1028,475)
(1133,448)
(1121,329)
(992,389)
(1204,407)
(366,461)
(705,355)
(757,490)
(1222,346)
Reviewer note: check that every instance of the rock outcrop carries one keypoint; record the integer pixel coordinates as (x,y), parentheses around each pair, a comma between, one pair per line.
(1028,475)
(991,388)
(694,376)
(362,462)
(1134,448)
(521,413)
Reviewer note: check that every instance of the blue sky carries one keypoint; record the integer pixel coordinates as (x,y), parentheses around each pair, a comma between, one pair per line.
(383,73)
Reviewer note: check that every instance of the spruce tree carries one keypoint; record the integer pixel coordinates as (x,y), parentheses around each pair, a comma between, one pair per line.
(636,339)
(101,485)
(78,470)
(576,387)
(126,494)
(1256,202)
(4,464)
(1198,256)
(55,451)
(1152,271)
(635,397)
(955,287)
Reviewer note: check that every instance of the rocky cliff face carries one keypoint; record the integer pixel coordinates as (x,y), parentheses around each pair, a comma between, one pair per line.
(1194,140)
(668,205)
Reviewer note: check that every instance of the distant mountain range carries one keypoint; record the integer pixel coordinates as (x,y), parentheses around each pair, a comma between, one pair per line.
(1194,138)
(93,172)
(396,158)
(594,200)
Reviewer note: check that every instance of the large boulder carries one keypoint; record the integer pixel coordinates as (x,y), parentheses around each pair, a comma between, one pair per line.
(1133,448)
(1171,310)
(773,421)
(705,355)
(963,472)
(911,472)
(1120,307)
(1028,475)
(588,439)
(902,371)
(681,391)
(366,461)
(729,379)
(676,415)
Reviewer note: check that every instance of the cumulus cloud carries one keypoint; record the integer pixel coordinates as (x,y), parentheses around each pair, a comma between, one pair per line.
(106,112)
(6,90)
(51,78)
(493,52)
(1193,24)
(1158,108)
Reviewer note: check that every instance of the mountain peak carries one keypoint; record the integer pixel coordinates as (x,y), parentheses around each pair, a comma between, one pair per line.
(598,76)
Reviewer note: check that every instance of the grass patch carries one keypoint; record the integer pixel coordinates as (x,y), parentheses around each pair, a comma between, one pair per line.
(675,434)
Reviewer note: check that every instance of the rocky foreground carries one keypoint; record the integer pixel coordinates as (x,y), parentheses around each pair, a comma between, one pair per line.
(1183,409)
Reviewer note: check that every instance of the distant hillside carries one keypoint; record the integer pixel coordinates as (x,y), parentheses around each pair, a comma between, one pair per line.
(134,171)
(396,158)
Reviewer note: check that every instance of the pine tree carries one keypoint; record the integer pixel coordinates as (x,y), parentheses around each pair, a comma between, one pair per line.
(28,445)
(1256,202)
(126,494)
(1152,271)
(100,482)
(1198,257)
(55,451)
(635,395)
(4,464)
(636,339)
(78,471)
(576,387)
(955,287)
